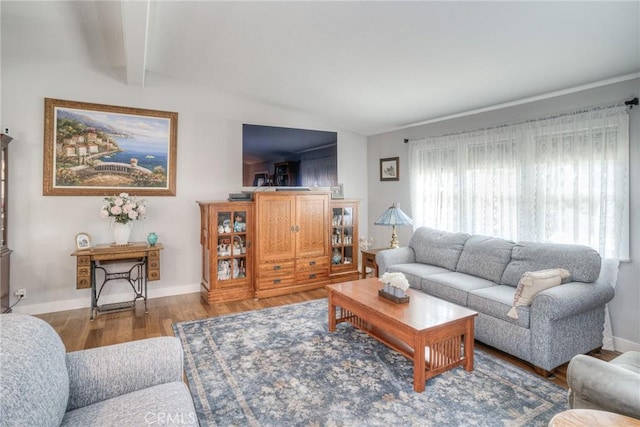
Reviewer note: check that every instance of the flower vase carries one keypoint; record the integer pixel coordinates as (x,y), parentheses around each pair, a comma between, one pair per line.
(121,232)
(387,288)
(398,292)
(152,239)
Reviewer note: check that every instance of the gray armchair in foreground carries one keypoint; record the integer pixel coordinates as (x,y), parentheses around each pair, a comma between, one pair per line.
(609,386)
(132,384)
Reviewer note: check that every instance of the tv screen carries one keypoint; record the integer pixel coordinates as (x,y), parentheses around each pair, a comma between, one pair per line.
(287,157)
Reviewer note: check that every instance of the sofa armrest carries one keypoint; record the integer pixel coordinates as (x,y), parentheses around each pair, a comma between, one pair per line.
(571,298)
(604,384)
(389,257)
(101,373)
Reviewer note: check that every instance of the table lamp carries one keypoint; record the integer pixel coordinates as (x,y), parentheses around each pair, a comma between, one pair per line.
(394,216)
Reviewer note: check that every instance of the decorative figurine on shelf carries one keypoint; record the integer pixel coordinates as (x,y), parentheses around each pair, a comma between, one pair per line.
(239,225)
(237,245)
(336,257)
(224,270)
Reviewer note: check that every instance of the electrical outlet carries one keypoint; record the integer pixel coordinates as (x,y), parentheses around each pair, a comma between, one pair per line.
(21,293)
(7,131)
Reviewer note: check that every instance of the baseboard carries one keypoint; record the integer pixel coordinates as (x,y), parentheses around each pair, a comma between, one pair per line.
(85,302)
(622,345)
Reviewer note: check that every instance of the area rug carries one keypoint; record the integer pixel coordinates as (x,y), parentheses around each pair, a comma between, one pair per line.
(281,367)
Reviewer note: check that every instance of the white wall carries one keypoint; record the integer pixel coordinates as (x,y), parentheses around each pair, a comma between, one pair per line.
(42,229)
(624,307)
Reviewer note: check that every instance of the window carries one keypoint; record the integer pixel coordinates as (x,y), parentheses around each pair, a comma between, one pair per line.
(561,179)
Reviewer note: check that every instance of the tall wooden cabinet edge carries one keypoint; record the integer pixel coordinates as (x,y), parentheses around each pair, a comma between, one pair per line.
(226,238)
(5,252)
(344,240)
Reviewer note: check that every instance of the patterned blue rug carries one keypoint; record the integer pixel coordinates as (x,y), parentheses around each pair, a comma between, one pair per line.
(281,367)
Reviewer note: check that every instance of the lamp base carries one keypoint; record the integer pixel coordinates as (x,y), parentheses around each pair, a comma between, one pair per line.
(394,239)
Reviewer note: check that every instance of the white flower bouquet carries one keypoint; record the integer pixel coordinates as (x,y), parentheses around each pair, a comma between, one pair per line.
(123,208)
(395,283)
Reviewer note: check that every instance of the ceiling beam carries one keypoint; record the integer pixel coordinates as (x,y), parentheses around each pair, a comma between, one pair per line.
(135,23)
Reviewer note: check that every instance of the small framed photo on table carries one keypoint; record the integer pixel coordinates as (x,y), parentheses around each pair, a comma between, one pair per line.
(337,192)
(83,241)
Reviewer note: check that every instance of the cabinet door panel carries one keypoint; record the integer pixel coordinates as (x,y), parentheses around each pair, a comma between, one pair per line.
(312,239)
(274,227)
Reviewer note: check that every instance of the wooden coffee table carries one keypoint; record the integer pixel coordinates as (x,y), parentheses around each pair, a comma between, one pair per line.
(435,334)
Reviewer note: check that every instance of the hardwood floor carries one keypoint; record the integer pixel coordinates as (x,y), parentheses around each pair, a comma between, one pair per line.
(78,332)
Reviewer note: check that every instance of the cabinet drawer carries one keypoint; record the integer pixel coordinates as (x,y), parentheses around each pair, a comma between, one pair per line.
(312,276)
(276,269)
(312,263)
(153,275)
(274,282)
(154,255)
(83,282)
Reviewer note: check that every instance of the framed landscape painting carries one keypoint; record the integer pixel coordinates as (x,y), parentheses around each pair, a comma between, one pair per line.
(97,150)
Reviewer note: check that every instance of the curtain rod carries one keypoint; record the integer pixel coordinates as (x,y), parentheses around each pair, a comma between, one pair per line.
(629,104)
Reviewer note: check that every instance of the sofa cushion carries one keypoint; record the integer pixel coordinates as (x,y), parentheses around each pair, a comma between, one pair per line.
(453,286)
(582,262)
(437,247)
(495,301)
(35,385)
(415,272)
(485,257)
(161,405)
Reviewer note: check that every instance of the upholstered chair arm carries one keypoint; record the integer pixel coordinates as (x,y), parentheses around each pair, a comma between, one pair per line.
(389,257)
(101,373)
(599,384)
(571,298)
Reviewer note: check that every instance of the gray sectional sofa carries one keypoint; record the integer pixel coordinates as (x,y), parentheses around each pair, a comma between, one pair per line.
(482,273)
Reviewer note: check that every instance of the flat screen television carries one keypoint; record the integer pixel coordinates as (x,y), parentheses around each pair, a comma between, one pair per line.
(288,157)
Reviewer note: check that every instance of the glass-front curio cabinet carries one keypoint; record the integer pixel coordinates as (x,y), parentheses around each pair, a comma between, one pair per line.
(5,252)
(344,240)
(227,253)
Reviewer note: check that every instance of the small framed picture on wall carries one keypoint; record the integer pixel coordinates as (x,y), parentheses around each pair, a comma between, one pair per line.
(390,169)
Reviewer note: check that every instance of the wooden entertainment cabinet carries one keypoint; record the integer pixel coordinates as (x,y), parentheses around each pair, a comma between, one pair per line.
(282,242)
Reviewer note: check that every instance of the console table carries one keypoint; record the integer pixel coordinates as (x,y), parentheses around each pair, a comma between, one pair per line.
(146,268)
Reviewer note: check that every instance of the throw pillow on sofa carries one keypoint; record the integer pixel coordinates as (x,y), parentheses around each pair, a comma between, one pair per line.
(533,282)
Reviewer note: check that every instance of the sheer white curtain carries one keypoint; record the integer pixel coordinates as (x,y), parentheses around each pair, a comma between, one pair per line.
(562,179)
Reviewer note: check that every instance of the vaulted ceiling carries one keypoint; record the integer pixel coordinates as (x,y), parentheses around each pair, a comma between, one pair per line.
(367,66)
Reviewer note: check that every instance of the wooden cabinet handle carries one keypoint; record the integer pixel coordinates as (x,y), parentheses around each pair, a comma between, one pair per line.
(312,276)
(277,281)
(276,267)
(312,263)
(297,228)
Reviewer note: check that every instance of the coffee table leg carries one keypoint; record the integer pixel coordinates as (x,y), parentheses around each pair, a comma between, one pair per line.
(468,346)
(332,314)
(419,376)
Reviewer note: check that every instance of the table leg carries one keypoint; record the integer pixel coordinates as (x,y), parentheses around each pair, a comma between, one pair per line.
(468,346)
(94,298)
(419,376)
(332,313)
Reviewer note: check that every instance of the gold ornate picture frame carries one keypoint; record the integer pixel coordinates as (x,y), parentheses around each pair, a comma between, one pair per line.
(95,149)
